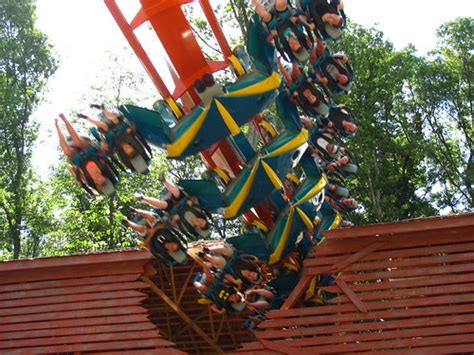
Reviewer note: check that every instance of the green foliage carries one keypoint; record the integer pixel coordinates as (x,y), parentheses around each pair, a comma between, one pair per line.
(444,98)
(26,63)
(414,144)
(389,144)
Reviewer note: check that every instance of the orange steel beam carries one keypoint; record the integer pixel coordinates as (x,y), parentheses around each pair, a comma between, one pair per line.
(216,28)
(127,31)
(182,314)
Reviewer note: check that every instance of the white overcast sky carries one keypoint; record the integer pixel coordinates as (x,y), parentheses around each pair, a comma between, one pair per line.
(83,30)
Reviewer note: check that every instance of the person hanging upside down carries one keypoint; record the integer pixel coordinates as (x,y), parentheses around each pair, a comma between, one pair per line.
(87,161)
(289,32)
(164,242)
(120,137)
(328,17)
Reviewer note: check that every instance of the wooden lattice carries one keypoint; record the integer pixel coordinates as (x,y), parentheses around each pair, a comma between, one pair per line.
(85,303)
(400,288)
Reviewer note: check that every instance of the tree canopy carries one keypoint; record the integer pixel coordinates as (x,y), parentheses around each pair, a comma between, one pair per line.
(414,144)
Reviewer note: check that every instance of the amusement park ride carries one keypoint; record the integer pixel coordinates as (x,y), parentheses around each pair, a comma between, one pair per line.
(293,282)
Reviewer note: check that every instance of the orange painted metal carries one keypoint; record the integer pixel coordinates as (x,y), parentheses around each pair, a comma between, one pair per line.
(175,34)
(136,46)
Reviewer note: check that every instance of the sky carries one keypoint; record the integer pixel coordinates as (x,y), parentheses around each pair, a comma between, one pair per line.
(82,31)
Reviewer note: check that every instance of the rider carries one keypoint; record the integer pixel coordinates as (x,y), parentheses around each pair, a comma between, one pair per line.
(88,162)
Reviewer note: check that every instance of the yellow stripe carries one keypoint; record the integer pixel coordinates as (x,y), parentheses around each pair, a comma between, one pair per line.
(222,174)
(177,111)
(260,225)
(310,291)
(276,255)
(272,175)
(317,188)
(270,83)
(177,147)
(336,222)
(305,219)
(323,239)
(269,128)
(293,177)
(297,141)
(236,64)
(291,267)
(234,207)
(227,118)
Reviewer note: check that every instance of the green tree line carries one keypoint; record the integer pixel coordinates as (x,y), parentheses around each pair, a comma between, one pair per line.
(414,144)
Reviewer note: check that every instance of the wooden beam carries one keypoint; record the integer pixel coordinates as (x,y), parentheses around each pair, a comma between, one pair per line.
(345,262)
(185,284)
(409,226)
(182,314)
(173,284)
(352,296)
(270,345)
(297,291)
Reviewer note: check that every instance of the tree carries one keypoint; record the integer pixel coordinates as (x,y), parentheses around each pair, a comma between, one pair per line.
(443,96)
(26,63)
(85,223)
(389,145)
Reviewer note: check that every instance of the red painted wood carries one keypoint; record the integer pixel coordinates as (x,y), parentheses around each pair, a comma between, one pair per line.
(400,343)
(361,254)
(39,274)
(356,301)
(78,330)
(134,285)
(416,282)
(330,314)
(23,302)
(131,344)
(411,262)
(426,350)
(420,291)
(130,256)
(376,325)
(121,302)
(382,336)
(297,292)
(336,247)
(281,348)
(415,272)
(75,322)
(69,282)
(73,314)
(83,338)
(395,253)
(412,226)
(167,351)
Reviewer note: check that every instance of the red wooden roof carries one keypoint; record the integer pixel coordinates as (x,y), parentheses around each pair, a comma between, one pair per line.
(83,303)
(400,288)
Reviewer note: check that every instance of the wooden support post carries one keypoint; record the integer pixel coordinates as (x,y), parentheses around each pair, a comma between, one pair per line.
(183,315)
(352,296)
(185,284)
(284,349)
(297,291)
(345,262)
